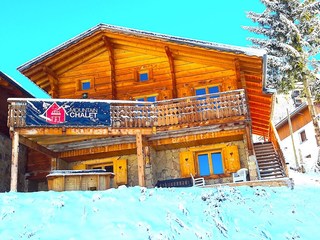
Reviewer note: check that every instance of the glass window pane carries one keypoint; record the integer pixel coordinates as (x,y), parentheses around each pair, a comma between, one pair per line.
(143,77)
(200,91)
(203,161)
(151,99)
(85,85)
(140,99)
(214,89)
(216,159)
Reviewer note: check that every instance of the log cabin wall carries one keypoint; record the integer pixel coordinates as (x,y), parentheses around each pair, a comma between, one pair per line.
(187,68)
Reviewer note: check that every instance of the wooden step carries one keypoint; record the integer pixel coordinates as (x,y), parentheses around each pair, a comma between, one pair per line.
(277,167)
(264,147)
(261,153)
(267,158)
(274,171)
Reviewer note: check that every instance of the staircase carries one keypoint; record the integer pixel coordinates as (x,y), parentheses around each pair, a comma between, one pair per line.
(269,164)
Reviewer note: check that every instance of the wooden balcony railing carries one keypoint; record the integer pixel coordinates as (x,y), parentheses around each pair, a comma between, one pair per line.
(132,114)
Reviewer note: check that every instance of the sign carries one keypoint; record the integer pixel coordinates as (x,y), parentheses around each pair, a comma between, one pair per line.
(67,113)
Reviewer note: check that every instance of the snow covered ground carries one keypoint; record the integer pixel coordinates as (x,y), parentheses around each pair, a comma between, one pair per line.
(176,213)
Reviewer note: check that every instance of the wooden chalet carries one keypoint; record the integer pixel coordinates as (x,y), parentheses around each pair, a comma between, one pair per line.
(174,107)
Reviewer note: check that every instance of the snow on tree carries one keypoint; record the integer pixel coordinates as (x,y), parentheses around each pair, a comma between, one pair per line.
(290,32)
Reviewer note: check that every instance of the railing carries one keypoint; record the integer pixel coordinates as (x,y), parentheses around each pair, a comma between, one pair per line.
(179,111)
(274,138)
(133,114)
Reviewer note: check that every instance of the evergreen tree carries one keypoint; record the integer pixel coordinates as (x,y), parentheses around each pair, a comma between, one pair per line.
(291,35)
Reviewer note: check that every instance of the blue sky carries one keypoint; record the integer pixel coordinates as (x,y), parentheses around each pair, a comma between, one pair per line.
(30,28)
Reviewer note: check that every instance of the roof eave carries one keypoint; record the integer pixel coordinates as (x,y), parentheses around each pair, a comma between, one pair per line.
(129,31)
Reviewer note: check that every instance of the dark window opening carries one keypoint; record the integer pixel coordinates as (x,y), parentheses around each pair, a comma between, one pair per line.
(303,136)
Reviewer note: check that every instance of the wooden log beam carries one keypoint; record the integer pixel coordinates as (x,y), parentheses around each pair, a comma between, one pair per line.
(53,80)
(35,146)
(238,72)
(141,159)
(82,131)
(14,162)
(96,150)
(172,71)
(110,49)
(195,137)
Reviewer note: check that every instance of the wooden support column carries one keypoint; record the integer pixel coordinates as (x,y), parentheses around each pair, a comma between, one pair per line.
(249,139)
(54,162)
(109,47)
(14,162)
(53,79)
(141,159)
(238,73)
(172,71)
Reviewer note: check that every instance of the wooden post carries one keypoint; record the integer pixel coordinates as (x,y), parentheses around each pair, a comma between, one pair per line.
(54,164)
(292,139)
(172,71)
(110,49)
(141,159)
(249,139)
(14,162)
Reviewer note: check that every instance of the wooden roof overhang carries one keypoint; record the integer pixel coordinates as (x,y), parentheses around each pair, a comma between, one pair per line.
(249,64)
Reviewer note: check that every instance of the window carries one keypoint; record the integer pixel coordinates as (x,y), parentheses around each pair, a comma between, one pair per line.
(107,166)
(207,90)
(85,85)
(150,98)
(303,136)
(143,76)
(210,163)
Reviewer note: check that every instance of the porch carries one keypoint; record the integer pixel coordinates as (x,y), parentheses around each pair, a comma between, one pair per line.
(128,127)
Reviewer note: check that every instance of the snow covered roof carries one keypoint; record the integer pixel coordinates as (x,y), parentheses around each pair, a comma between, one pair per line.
(152,35)
(14,83)
(293,113)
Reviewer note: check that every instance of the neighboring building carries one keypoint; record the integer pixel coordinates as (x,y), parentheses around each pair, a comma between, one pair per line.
(303,135)
(199,104)
(9,88)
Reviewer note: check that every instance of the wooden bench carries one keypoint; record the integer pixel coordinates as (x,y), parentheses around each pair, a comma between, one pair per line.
(176,182)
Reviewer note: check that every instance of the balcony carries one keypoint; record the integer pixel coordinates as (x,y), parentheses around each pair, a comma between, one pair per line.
(194,111)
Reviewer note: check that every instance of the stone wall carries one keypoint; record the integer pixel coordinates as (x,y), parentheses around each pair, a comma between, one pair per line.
(166,163)
(5,165)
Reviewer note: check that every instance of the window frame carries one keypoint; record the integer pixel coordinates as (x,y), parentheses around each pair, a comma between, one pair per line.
(143,70)
(207,91)
(210,163)
(301,137)
(80,81)
(145,97)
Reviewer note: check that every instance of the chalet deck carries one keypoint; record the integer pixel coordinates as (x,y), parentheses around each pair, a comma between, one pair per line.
(175,106)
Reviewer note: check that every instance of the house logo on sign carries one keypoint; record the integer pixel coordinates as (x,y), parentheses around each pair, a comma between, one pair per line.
(55,114)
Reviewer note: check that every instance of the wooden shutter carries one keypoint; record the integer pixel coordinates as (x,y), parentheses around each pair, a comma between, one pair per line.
(187,164)
(79,167)
(231,158)
(120,171)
